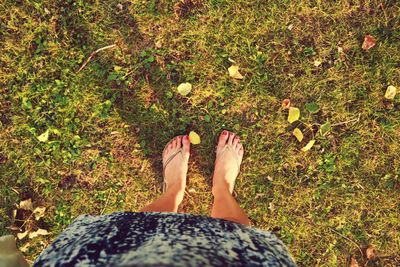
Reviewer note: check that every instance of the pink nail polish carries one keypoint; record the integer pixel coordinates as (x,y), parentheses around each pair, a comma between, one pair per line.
(186,137)
(224,132)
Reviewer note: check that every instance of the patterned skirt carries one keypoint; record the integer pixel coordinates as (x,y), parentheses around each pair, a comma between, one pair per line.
(162,239)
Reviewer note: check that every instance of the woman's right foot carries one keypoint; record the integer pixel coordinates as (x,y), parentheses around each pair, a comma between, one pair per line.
(227,165)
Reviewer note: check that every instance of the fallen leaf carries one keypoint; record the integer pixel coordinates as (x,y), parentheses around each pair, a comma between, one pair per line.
(192,190)
(325,128)
(312,107)
(234,72)
(285,103)
(390,92)
(354,262)
(370,252)
(308,146)
(298,134)
(294,114)
(44,137)
(39,212)
(38,233)
(22,235)
(184,88)
(26,204)
(194,138)
(158,44)
(290,27)
(368,43)
(317,63)
(25,247)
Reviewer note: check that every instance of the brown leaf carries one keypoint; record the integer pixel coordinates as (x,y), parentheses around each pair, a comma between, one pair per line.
(354,262)
(368,43)
(370,252)
(286,103)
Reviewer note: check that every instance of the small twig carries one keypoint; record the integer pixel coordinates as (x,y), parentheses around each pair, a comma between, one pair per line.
(93,54)
(345,122)
(345,237)
(105,206)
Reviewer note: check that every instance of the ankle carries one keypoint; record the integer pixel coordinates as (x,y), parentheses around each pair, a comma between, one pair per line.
(177,192)
(220,189)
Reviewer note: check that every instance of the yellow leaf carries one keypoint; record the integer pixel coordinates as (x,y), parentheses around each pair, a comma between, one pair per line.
(22,235)
(390,92)
(308,146)
(194,138)
(317,62)
(39,212)
(44,136)
(234,72)
(294,114)
(298,134)
(38,232)
(184,88)
(26,204)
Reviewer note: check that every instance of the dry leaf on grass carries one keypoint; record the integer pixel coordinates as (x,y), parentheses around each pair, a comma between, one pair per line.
(22,235)
(317,62)
(38,233)
(194,138)
(370,252)
(294,114)
(286,103)
(391,92)
(298,134)
(26,204)
(39,212)
(308,146)
(184,88)
(234,72)
(44,137)
(354,262)
(368,43)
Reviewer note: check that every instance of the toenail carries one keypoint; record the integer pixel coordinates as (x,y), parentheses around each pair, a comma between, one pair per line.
(224,132)
(186,137)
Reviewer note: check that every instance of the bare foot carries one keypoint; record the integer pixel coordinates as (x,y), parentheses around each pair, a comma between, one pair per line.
(176,170)
(227,164)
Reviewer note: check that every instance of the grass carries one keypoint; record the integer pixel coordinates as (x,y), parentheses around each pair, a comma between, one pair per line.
(109,122)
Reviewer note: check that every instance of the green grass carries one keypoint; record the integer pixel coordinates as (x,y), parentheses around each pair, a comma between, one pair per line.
(109,122)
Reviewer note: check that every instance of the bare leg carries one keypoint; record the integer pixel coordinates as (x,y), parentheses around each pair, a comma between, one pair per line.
(175,177)
(226,169)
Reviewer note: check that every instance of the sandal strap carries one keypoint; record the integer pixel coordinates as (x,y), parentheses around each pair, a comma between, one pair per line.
(165,164)
(229,148)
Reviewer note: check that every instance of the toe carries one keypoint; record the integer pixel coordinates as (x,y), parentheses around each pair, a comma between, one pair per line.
(186,145)
(235,141)
(241,151)
(223,137)
(174,143)
(231,136)
(179,141)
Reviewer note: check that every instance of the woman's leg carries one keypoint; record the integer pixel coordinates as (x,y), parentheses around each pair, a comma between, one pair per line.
(175,177)
(226,170)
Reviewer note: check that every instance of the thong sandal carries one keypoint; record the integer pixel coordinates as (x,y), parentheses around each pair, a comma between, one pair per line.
(168,160)
(228,149)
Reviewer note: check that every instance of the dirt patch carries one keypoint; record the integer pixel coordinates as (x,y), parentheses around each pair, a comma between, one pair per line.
(186,8)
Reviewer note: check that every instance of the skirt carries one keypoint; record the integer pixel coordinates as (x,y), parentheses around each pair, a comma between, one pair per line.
(162,239)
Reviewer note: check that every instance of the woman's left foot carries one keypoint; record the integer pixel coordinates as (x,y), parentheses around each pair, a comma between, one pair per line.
(175,171)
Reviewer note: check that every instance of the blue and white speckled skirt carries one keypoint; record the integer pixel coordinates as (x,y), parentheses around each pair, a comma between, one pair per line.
(162,239)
